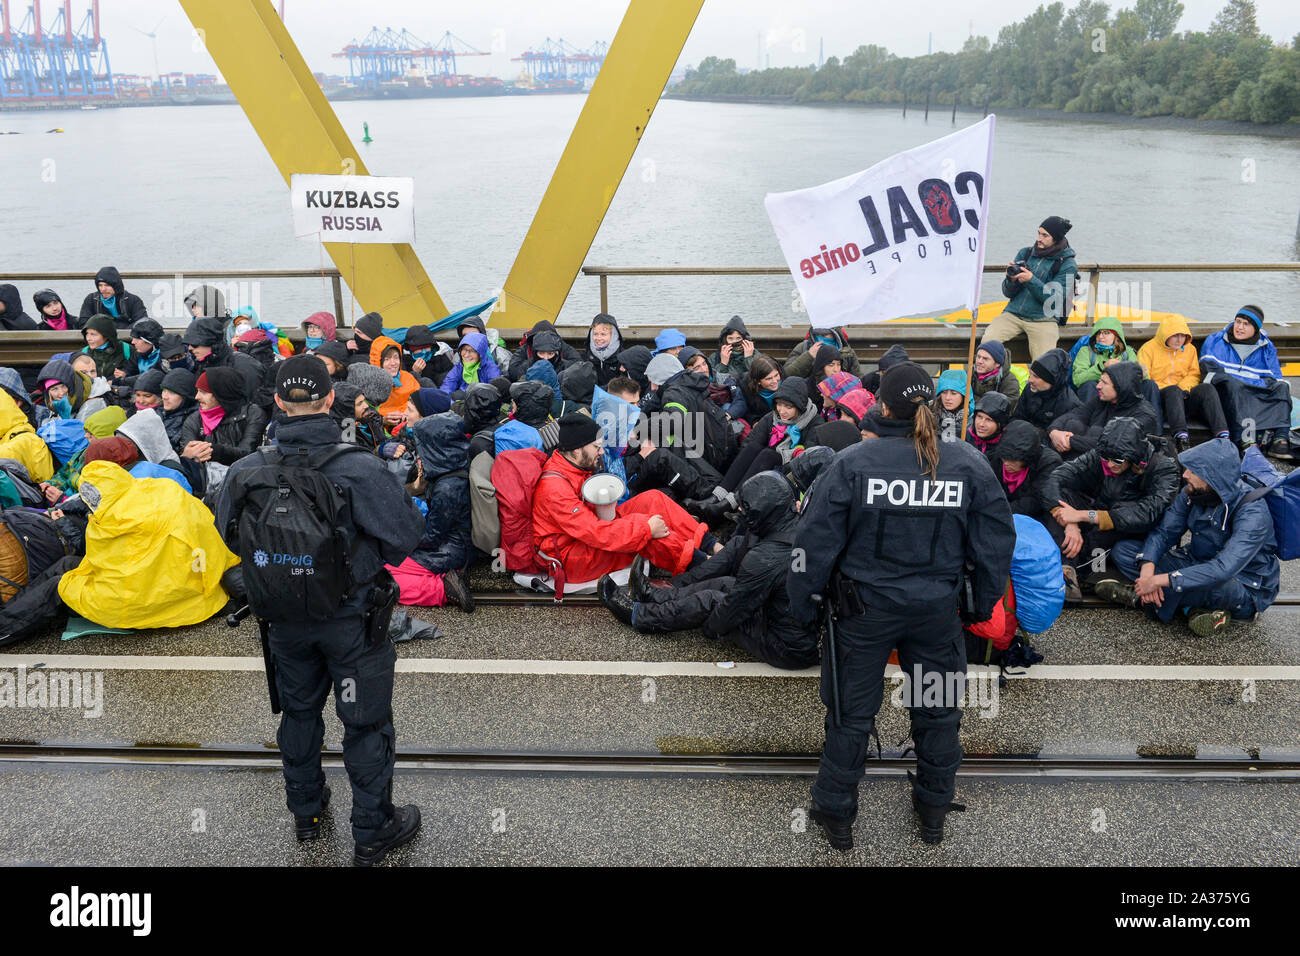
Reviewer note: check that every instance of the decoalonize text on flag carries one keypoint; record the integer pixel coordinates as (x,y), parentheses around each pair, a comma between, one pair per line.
(905,237)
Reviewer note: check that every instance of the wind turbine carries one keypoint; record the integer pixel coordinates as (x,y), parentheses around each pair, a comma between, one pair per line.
(153,35)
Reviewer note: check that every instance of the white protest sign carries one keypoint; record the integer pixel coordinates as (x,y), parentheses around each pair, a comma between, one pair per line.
(903,238)
(353,208)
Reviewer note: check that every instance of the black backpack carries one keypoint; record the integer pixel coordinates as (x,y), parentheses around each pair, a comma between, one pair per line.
(294,554)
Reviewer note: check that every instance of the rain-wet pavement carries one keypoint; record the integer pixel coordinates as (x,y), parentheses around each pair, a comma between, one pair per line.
(160,816)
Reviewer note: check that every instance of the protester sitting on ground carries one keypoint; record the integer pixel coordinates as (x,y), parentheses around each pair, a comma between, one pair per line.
(67,480)
(147,391)
(690,424)
(660,369)
(19,441)
(992,412)
(475,364)
(146,431)
(993,374)
(604,342)
(335,355)
(551,347)
(530,411)
(12,315)
(1119,489)
(950,402)
(1241,362)
(1047,395)
(112,358)
(625,388)
(226,426)
(1023,464)
(428,359)
(633,361)
(801,360)
(482,415)
(836,386)
(778,436)
(735,352)
(364,331)
(1228,570)
(12,383)
(317,329)
(1170,361)
(260,346)
(566,527)
(206,301)
(1039,285)
(894,355)
(577,386)
(432,575)
(145,337)
(179,394)
(1118,396)
(205,339)
(111,298)
(69,393)
(739,593)
(376,387)
(386,354)
(52,315)
(474,323)
(669,342)
(758,388)
(544,372)
(174,352)
(1102,348)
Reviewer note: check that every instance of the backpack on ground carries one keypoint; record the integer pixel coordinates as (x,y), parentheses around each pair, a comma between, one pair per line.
(514,475)
(1037,576)
(1283,503)
(29,543)
(485,521)
(295,556)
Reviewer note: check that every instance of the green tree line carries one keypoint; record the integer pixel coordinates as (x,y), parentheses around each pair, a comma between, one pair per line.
(1082,60)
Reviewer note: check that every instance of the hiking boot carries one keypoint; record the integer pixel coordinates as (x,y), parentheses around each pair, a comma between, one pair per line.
(708,510)
(308,828)
(1205,622)
(638,579)
(1117,592)
(617,599)
(457,591)
(399,831)
(839,830)
(932,818)
(1073,593)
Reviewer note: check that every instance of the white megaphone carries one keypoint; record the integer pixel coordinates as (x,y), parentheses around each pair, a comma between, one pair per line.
(603,491)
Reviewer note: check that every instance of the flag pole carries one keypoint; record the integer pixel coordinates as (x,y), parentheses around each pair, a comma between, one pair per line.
(970,372)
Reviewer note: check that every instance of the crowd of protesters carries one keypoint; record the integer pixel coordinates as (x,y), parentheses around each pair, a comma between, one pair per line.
(718,452)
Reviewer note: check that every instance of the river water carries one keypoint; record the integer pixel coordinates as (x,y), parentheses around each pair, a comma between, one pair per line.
(192,187)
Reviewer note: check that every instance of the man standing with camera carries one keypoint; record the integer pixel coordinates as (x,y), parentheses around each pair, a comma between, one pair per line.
(1040,286)
(314,522)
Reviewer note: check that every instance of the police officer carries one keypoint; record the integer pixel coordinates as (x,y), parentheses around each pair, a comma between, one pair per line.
(350,651)
(892,526)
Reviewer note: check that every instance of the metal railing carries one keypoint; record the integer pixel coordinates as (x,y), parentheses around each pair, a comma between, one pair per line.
(1093,271)
(333,275)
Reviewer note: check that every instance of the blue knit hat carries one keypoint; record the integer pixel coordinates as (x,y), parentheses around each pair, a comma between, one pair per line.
(996,350)
(669,339)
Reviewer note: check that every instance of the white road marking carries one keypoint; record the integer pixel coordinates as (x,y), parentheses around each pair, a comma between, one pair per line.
(727,669)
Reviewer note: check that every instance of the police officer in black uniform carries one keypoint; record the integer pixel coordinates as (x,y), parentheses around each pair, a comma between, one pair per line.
(351,651)
(900,530)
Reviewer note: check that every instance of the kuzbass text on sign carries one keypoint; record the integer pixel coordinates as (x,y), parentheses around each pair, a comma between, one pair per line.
(353,208)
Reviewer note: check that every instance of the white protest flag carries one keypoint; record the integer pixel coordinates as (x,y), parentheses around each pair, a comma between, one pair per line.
(903,238)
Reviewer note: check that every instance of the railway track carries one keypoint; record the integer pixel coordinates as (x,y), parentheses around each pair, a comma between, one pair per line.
(522,598)
(1058,767)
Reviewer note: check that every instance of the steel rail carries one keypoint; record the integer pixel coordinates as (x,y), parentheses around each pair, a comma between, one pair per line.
(542,599)
(1246,767)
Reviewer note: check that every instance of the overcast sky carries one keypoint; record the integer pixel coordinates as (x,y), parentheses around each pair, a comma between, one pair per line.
(790,31)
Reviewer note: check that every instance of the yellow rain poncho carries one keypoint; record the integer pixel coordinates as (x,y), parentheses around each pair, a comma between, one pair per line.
(19,441)
(153,555)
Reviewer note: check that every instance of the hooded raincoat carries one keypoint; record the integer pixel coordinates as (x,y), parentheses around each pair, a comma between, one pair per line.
(406,384)
(1090,361)
(442,445)
(19,441)
(484,371)
(125,307)
(153,555)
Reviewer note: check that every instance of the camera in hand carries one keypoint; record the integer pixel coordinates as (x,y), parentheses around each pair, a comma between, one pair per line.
(1013,270)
